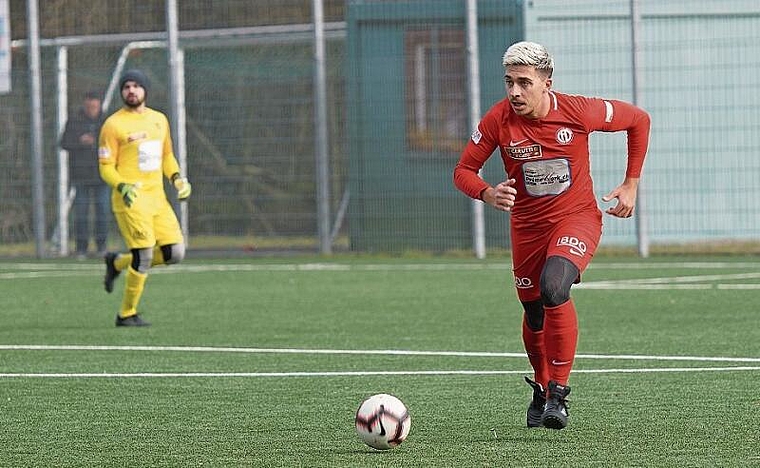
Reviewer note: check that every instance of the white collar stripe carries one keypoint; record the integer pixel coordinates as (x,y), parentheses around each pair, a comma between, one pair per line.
(610,112)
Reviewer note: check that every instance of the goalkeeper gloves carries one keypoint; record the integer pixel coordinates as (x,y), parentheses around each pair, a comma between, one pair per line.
(184,189)
(128,192)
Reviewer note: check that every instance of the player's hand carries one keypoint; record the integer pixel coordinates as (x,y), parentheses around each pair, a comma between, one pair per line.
(128,193)
(501,197)
(184,189)
(626,198)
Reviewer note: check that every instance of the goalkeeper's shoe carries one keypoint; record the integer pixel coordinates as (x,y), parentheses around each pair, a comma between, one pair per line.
(131,321)
(536,407)
(111,272)
(555,413)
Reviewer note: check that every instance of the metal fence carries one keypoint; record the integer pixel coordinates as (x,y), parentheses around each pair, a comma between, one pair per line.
(397,93)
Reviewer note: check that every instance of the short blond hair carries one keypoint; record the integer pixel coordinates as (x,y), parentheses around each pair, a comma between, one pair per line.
(530,54)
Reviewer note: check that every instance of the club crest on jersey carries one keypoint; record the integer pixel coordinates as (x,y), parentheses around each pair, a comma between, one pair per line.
(564,136)
(476,136)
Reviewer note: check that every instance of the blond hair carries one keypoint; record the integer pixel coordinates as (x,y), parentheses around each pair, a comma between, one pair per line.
(530,54)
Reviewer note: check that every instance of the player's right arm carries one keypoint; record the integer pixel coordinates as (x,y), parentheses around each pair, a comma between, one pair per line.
(483,142)
(502,197)
(108,157)
(108,154)
(480,146)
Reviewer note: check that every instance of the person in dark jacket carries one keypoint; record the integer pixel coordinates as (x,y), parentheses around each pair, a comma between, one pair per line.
(80,139)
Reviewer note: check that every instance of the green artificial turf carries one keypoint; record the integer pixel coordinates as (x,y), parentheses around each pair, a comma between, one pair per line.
(263,363)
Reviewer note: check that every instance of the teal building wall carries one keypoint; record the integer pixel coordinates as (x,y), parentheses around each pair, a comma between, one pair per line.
(402,197)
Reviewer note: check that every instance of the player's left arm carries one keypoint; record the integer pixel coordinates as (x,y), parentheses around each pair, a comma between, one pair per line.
(170,168)
(626,198)
(635,121)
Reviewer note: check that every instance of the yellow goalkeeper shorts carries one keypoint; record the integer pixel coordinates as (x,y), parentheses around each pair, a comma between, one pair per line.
(146,225)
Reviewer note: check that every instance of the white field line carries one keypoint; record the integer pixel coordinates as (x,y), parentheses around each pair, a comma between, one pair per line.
(356,373)
(617,285)
(316,266)
(676,282)
(697,282)
(68,270)
(738,286)
(206,349)
(361,352)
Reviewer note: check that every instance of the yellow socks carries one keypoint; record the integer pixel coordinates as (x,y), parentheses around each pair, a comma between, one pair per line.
(133,289)
(135,281)
(122,261)
(158,257)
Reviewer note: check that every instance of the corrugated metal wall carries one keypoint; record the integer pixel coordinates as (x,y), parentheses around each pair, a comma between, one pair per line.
(699,80)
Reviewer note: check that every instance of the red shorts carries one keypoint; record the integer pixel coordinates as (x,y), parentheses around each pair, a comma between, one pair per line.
(574,238)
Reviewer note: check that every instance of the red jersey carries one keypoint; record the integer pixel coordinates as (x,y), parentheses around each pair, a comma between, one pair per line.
(549,157)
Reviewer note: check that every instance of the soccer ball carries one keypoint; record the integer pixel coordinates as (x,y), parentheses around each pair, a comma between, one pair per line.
(382,421)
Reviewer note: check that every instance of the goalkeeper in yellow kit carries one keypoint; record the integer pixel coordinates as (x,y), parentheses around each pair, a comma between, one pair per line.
(135,153)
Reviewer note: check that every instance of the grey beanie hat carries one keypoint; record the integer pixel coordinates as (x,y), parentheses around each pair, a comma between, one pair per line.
(137,76)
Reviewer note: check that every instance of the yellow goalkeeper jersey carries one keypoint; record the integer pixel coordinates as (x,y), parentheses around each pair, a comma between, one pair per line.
(136,148)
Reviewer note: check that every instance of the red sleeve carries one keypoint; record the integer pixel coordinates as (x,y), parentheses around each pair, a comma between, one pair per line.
(609,115)
(483,141)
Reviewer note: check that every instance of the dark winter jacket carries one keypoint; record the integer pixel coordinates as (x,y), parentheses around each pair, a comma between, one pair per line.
(83,159)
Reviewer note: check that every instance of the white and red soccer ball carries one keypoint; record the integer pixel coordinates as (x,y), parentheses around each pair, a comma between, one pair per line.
(383,421)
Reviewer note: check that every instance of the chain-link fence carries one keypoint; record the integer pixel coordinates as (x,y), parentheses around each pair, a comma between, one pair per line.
(397,113)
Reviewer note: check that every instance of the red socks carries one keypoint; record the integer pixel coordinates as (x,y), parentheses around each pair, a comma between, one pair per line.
(534,346)
(561,339)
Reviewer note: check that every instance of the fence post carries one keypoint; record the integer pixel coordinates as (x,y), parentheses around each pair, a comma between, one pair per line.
(320,126)
(473,72)
(61,236)
(35,103)
(176,67)
(642,236)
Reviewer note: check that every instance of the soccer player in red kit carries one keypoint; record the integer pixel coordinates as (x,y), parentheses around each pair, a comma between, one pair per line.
(543,138)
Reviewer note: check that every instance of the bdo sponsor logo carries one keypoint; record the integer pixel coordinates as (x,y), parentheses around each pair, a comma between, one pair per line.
(577,246)
(523,283)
